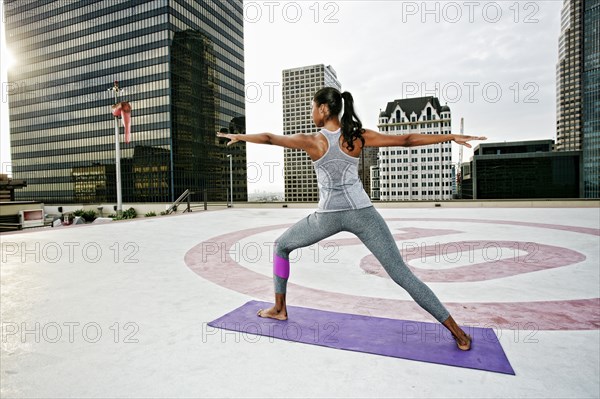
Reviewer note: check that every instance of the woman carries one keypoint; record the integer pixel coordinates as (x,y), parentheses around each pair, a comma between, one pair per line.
(343,203)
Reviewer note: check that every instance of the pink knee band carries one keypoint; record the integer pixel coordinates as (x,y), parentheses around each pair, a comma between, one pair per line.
(281,266)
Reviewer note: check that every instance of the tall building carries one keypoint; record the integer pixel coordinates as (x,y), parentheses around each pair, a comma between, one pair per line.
(568,78)
(367,160)
(591,99)
(415,173)
(181,66)
(374,192)
(299,87)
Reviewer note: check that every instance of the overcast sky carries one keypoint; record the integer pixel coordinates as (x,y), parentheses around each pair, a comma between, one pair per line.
(494,63)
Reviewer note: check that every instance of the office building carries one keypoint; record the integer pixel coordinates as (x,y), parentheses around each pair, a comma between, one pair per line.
(299,87)
(415,173)
(181,67)
(568,78)
(591,99)
(368,159)
(374,192)
(521,170)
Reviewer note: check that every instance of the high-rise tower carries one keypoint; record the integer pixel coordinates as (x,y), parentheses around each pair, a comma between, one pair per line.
(299,87)
(181,65)
(591,99)
(568,78)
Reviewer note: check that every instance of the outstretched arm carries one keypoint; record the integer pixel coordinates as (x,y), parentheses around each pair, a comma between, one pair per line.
(376,139)
(301,141)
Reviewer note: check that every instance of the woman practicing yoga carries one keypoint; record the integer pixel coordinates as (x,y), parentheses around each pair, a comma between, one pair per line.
(343,203)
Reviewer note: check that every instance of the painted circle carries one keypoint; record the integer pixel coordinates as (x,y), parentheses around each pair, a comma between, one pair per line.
(210,260)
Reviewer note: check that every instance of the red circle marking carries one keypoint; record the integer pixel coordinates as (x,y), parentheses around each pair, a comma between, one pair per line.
(539,257)
(210,260)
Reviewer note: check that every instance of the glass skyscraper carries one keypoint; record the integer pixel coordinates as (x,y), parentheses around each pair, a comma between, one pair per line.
(568,78)
(591,99)
(181,67)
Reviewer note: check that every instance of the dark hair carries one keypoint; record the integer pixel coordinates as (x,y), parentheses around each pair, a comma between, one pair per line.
(351,125)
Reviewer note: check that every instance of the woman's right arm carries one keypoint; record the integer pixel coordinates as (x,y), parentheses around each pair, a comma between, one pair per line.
(301,141)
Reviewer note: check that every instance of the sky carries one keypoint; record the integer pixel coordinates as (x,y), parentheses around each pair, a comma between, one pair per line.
(492,62)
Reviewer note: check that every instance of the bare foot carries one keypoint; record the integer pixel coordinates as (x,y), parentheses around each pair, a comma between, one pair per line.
(273,313)
(463,340)
(464,343)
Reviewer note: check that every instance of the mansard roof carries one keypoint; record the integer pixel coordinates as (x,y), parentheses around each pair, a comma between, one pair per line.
(416,105)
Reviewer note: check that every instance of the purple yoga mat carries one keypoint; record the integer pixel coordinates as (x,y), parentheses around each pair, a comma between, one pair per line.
(414,340)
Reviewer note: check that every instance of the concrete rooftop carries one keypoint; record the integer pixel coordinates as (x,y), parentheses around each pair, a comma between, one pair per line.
(119,309)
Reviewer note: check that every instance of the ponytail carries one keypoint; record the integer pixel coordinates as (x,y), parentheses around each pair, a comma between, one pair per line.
(351,125)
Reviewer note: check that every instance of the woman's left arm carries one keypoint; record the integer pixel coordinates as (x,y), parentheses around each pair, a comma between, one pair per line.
(417,139)
(377,139)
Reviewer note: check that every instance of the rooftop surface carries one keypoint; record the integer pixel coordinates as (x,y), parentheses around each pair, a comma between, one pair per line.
(121,309)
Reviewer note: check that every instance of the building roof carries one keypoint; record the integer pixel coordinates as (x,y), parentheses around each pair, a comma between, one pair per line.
(525,146)
(416,105)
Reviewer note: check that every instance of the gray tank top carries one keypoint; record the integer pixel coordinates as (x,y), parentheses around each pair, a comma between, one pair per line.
(340,187)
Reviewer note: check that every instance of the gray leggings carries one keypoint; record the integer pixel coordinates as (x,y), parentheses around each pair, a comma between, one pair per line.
(368,225)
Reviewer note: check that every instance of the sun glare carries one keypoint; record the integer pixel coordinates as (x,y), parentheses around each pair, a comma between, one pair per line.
(8,60)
